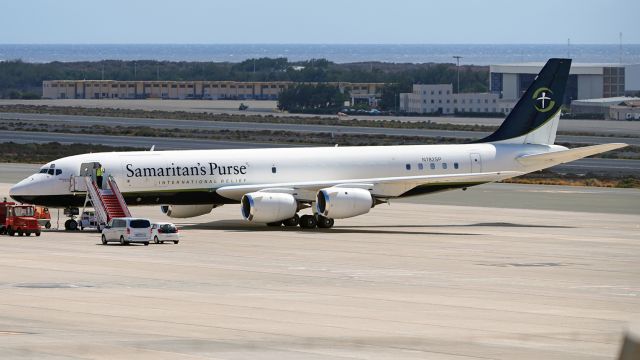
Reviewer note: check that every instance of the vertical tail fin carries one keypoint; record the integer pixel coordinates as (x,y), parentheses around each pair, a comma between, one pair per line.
(534,119)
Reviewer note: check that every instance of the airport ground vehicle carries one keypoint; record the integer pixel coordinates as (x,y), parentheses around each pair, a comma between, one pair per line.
(88,220)
(43,216)
(164,231)
(18,219)
(127,230)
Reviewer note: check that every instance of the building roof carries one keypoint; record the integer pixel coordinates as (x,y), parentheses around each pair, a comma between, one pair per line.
(604,101)
(535,67)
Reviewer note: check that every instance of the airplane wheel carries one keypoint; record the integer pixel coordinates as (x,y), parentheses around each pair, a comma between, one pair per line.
(308,222)
(71,225)
(324,222)
(275,223)
(294,221)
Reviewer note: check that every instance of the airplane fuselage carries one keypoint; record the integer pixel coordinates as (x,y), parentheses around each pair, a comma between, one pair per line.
(193,177)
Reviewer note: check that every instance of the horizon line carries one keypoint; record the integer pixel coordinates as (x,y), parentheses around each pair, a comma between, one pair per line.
(315,44)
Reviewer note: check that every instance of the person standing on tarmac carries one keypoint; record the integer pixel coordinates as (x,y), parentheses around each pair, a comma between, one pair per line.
(99,174)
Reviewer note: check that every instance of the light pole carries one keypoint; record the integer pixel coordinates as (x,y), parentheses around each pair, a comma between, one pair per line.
(458,70)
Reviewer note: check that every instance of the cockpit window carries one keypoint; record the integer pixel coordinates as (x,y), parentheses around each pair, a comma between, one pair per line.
(43,171)
(58,172)
(51,171)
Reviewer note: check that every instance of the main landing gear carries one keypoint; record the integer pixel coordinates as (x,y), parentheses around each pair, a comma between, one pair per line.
(305,222)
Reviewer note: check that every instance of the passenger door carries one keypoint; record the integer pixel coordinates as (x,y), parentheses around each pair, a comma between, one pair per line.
(77,183)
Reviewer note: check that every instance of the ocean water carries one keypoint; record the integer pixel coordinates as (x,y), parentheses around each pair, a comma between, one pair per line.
(471,54)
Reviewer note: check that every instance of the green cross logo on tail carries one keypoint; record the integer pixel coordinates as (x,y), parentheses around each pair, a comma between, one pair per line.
(543,102)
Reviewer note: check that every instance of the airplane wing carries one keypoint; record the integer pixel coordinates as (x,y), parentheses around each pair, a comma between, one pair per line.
(564,156)
(379,187)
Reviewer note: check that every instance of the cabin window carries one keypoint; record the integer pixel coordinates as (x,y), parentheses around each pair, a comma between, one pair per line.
(432,166)
(444,166)
(420,166)
(273,169)
(408,166)
(456,165)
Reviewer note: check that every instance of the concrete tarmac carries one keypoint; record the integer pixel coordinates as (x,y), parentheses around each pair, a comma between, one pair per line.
(407,281)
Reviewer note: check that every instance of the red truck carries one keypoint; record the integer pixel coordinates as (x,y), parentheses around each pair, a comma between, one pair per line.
(18,219)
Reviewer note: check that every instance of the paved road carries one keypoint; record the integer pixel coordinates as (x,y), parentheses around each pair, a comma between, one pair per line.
(601,166)
(26,137)
(604,166)
(225,125)
(617,128)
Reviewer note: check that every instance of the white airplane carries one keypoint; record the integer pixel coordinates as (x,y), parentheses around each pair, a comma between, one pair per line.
(273,185)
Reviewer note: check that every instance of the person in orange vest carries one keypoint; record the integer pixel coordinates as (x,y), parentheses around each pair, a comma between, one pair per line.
(99,174)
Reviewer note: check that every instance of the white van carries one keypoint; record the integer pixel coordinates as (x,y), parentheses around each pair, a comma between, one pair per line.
(127,230)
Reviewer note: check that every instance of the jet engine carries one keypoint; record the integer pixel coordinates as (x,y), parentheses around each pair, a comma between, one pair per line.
(185,211)
(266,207)
(340,203)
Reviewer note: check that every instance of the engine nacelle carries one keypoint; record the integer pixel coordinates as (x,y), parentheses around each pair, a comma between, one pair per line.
(341,203)
(185,211)
(268,207)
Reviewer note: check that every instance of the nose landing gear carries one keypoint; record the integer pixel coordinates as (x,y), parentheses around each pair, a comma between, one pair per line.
(71,224)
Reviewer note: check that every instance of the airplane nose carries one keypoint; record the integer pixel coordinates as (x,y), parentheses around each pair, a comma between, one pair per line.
(23,190)
(17,188)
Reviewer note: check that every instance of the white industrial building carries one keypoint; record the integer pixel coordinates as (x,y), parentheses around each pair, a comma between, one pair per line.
(112,89)
(626,110)
(615,108)
(586,81)
(440,98)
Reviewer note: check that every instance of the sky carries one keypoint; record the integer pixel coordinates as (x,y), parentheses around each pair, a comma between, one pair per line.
(319,22)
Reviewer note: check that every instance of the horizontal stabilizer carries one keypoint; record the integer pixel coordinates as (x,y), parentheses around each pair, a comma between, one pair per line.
(564,156)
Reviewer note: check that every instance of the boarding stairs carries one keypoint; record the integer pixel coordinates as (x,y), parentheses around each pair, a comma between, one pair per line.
(108,203)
